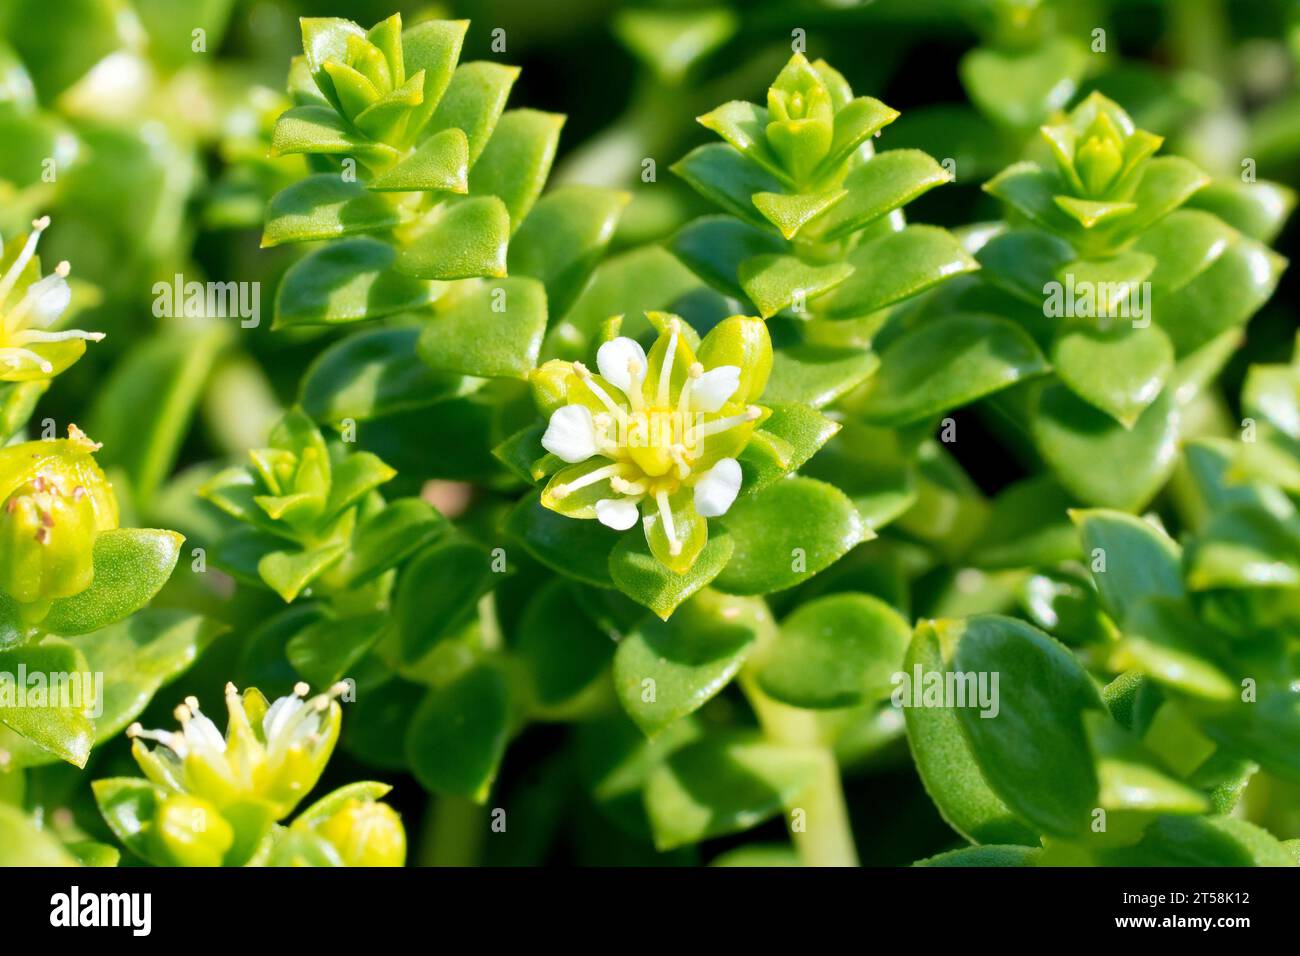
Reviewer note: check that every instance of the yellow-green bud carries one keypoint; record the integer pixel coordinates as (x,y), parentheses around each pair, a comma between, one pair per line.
(1100,157)
(366,833)
(190,831)
(47,532)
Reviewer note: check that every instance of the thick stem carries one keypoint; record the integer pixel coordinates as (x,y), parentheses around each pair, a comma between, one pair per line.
(821,833)
(453,833)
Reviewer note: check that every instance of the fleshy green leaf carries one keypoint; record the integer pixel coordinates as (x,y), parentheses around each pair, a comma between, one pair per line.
(59,720)
(563,237)
(375,373)
(713,247)
(517,160)
(348,281)
(388,538)
(773,282)
(1022,88)
(642,577)
(723,784)
(439,592)
(459,732)
(787,439)
(325,206)
(1098,459)
(1130,559)
(1033,752)
(666,670)
(494,332)
(943,756)
(885,182)
(949,362)
(837,651)
(1120,370)
(131,566)
(578,549)
(773,553)
(473,103)
(440,164)
(468,238)
(895,267)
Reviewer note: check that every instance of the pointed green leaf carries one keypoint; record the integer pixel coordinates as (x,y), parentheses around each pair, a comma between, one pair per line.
(325,206)
(517,160)
(374,373)
(666,670)
(467,239)
(494,332)
(1097,458)
(1120,370)
(949,362)
(439,164)
(131,566)
(348,281)
(884,183)
(458,734)
(895,267)
(642,576)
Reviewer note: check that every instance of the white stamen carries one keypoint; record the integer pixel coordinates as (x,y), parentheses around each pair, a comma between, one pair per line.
(625,487)
(615,409)
(724,424)
(666,374)
(666,515)
(17,358)
(563,491)
(36,335)
(11,277)
(692,376)
(678,454)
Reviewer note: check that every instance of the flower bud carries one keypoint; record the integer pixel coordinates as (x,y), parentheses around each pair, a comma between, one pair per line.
(47,533)
(190,831)
(366,833)
(802,117)
(1100,157)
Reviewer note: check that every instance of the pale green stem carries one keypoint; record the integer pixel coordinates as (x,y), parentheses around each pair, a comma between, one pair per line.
(822,835)
(453,833)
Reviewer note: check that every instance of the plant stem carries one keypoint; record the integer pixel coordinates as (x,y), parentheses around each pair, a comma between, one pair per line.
(453,833)
(825,837)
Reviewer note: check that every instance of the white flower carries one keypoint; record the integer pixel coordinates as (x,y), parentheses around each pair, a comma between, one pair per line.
(714,387)
(652,434)
(622,363)
(571,434)
(717,488)
(617,513)
(24,323)
(277,761)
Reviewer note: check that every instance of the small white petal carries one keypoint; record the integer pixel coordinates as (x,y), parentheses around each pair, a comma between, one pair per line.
(46,300)
(712,389)
(717,488)
(200,731)
(616,360)
(571,434)
(617,513)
